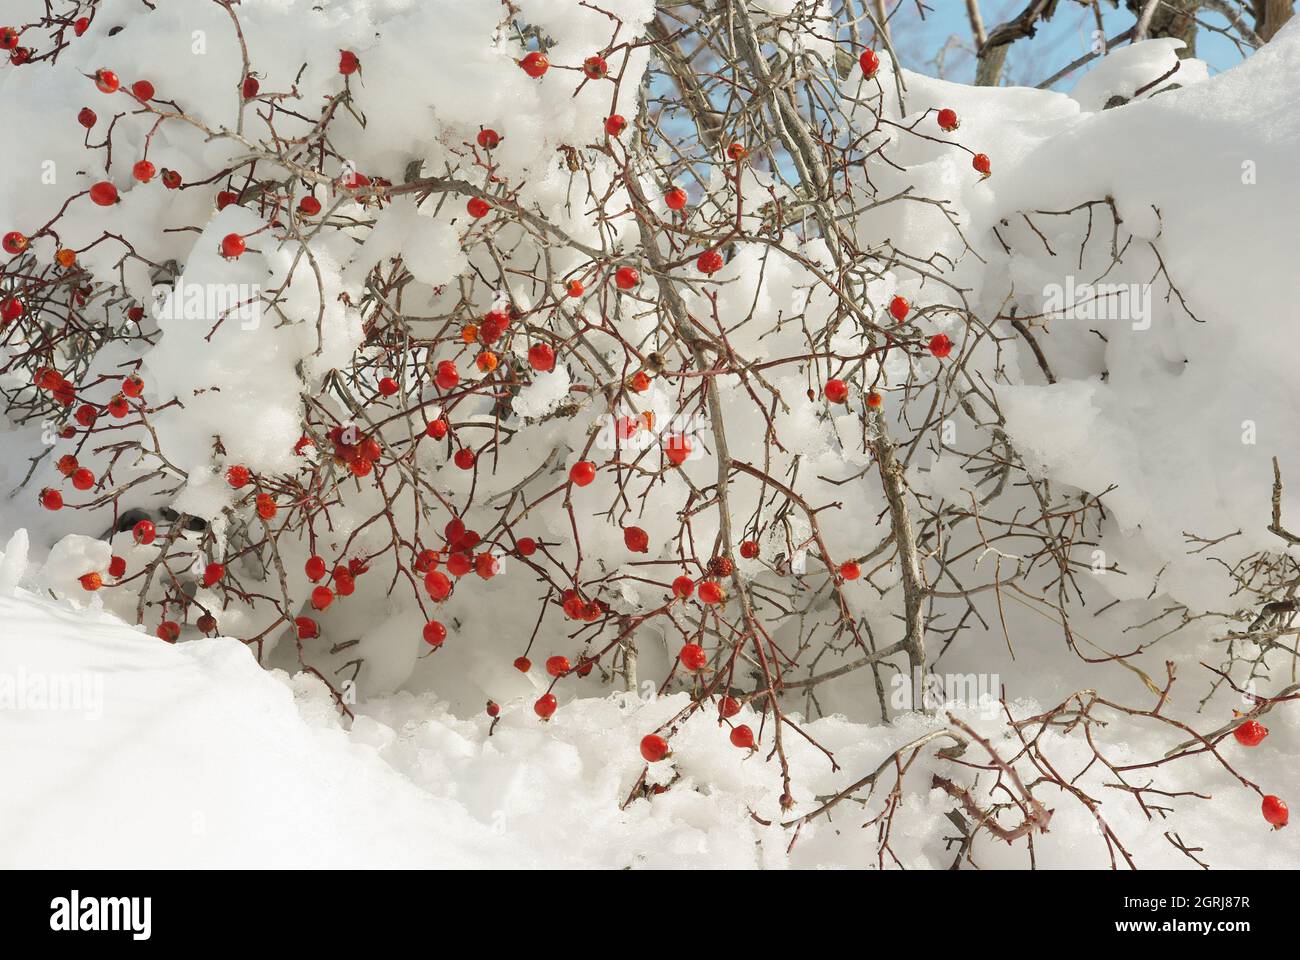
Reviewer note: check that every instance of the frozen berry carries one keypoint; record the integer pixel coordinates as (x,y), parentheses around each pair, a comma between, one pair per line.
(535,64)
(582,473)
(636,539)
(693,657)
(104,193)
(836,391)
(1251,733)
(742,736)
(434,633)
(545,706)
(948,120)
(653,748)
(1275,811)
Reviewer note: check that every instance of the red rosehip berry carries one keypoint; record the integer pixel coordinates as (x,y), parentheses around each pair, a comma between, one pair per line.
(595,67)
(233,246)
(225,198)
(869,61)
(488,139)
(683,587)
(315,568)
(737,151)
(541,357)
(86,415)
(348,62)
(898,308)
(874,400)
(171,179)
(557,666)
(91,581)
(535,64)
(104,193)
(615,124)
(11,310)
(322,597)
(51,499)
(582,473)
(720,566)
(639,382)
(266,508)
(940,345)
(742,736)
(836,391)
(83,479)
(143,90)
(636,539)
(523,664)
(116,566)
(144,532)
(388,386)
(477,207)
(81,25)
(574,288)
(8,38)
(465,458)
(459,564)
(1251,733)
(213,573)
(486,566)
(728,707)
(118,407)
(677,448)
(309,206)
(434,633)
(545,706)
(307,628)
(86,117)
(948,121)
(749,549)
(14,243)
(711,592)
(493,709)
(67,464)
(133,386)
(250,87)
(1275,811)
(675,198)
(437,429)
(438,585)
(526,546)
(169,630)
(653,748)
(106,81)
(692,657)
(625,278)
(237,476)
(850,570)
(982,164)
(709,262)
(446,375)
(143,171)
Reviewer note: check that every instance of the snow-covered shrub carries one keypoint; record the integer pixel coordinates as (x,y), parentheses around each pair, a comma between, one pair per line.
(558,347)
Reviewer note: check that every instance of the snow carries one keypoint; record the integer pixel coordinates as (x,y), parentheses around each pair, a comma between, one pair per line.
(191,755)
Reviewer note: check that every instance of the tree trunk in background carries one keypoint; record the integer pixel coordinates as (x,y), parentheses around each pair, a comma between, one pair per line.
(1270,15)
(1173,18)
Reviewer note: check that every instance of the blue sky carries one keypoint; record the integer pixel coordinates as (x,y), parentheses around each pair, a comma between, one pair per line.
(1059,42)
